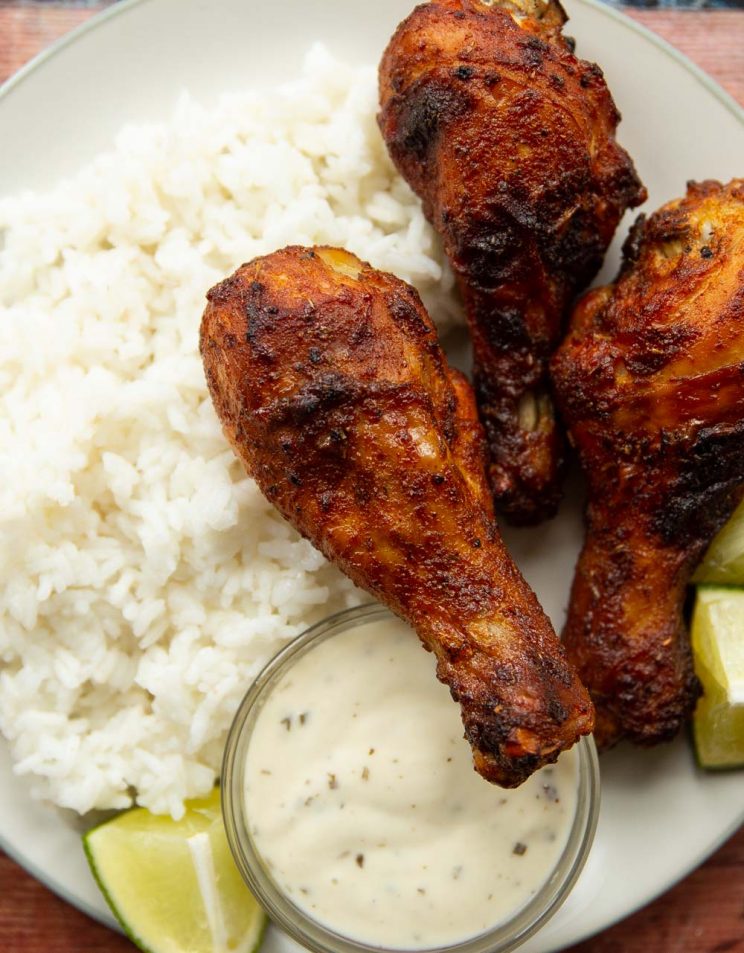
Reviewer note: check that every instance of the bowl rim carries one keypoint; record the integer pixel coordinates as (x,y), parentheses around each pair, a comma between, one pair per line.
(504,936)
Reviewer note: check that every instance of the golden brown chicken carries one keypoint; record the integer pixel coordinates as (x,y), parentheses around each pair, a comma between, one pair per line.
(650,380)
(509,140)
(332,389)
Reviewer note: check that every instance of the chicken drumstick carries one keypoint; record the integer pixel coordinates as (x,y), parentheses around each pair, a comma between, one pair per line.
(650,380)
(509,140)
(332,389)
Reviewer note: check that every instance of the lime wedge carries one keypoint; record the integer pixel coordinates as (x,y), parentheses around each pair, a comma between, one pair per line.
(173,885)
(718,650)
(723,563)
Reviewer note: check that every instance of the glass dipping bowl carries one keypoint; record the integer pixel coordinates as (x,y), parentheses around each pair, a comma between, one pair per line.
(319,937)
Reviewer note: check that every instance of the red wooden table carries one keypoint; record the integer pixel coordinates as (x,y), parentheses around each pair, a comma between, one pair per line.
(704,913)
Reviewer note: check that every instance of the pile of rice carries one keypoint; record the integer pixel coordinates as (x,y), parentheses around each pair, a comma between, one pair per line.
(145,578)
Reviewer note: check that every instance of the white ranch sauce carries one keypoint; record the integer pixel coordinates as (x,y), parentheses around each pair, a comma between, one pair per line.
(363,801)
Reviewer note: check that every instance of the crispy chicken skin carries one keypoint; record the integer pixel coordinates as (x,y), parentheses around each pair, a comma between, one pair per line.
(334,392)
(650,380)
(509,140)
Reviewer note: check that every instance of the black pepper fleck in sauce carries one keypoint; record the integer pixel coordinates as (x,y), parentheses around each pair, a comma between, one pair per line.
(318,810)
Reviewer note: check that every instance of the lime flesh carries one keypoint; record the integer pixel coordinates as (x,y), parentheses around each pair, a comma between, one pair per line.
(173,885)
(718,650)
(723,563)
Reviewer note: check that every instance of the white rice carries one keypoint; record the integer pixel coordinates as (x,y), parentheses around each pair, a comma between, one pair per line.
(145,578)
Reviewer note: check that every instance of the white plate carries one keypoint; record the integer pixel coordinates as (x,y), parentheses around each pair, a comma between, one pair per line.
(660,815)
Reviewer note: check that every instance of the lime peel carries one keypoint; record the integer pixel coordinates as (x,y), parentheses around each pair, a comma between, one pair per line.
(173,885)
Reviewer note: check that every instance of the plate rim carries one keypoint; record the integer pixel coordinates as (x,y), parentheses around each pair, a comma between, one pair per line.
(61,890)
(104,916)
(667,885)
(124,6)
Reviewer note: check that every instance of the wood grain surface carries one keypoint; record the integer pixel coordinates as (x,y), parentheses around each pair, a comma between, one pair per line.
(704,913)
